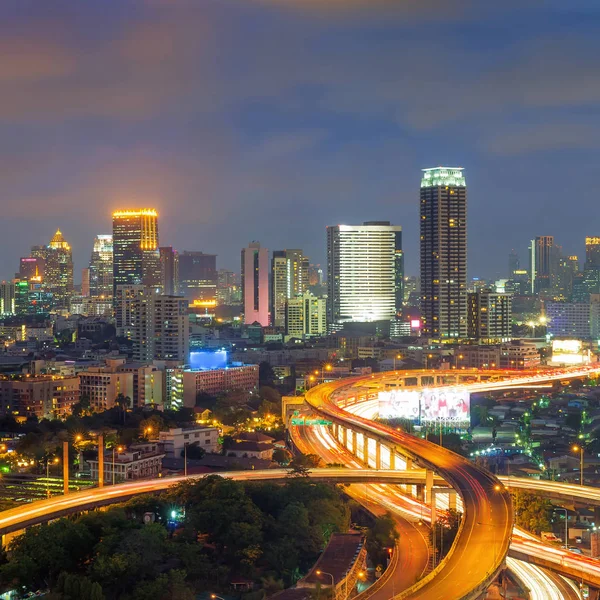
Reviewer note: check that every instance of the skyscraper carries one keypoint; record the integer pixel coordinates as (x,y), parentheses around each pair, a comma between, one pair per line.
(592,252)
(546,263)
(198,276)
(444,253)
(255,284)
(490,315)
(169,266)
(31,268)
(58,270)
(101,267)
(306,316)
(364,278)
(513,263)
(289,278)
(136,258)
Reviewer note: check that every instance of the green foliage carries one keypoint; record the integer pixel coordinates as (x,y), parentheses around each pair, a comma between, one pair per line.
(281,456)
(532,512)
(266,375)
(266,532)
(381,536)
(301,464)
(446,529)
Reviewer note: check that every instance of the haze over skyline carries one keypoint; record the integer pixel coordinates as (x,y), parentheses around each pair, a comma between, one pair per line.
(245,120)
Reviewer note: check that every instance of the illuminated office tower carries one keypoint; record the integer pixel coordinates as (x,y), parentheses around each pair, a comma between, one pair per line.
(7,298)
(255,284)
(592,253)
(136,258)
(546,262)
(198,276)
(364,272)
(101,267)
(85,282)
(306,316)
(31,268)
(229,289)
(58,270)
(443,211)
(169,267)
(289,278)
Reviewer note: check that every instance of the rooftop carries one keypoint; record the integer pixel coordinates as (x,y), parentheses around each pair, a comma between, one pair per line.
(443,176)
(338,558)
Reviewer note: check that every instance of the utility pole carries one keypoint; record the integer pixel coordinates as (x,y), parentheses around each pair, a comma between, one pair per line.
(100,460)
(65,468)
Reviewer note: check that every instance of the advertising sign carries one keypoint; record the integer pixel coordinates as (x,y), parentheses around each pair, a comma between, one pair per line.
(435,404)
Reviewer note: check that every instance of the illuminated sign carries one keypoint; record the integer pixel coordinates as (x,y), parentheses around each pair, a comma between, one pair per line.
(208,360)
(447,404)
(567,346)
(415,323)
(299,421)
(569,352)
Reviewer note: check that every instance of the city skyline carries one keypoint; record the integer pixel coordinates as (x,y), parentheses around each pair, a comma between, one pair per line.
(143,111)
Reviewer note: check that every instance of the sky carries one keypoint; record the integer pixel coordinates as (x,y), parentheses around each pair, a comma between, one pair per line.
(268,120)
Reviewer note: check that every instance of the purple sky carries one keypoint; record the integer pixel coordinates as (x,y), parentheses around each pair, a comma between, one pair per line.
(267,120)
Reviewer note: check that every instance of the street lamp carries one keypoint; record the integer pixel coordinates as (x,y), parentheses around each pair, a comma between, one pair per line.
(319,572)
(148,431)
(397,357)
(580,450)
(55,461)
(185,445)
(119,449)
(566,525)
(215,597)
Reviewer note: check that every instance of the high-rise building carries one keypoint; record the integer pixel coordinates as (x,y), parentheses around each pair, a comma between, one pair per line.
(160,327)
(101,267)
(255,284)
(364,272)
(592,252)
(58,269)
(546,263)
(443,211)
(31,268)
(229,289)
(85,282)
(306,316)
(136,258)
(489,316)
(7,298)
(169,265)
(198,276)
(125,299)
(289,278)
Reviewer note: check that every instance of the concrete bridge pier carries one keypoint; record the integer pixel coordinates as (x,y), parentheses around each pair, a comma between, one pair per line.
(366,450)
(429,497)
(377,454)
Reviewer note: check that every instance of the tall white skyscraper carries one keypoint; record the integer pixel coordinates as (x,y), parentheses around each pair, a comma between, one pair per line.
(364,272)
(101,267)
(255,284)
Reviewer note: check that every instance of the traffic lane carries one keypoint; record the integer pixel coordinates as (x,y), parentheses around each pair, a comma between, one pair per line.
(471,561)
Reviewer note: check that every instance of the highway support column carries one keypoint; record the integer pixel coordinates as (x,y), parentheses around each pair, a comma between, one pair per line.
(354,443)
(392,458)
(377,454)
(345,437)
(429,487)
(366,450)
(100,461)
(65,468)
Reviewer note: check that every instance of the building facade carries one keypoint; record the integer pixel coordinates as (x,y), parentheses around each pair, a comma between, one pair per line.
(443,224)
(101,267)
(216,381)
(306,316)
(140,461)
(169,268)
(364,272)
(43,396)
(255,284)
(136,258)
(198,276)
(289,278)
(489,316)
(174,440)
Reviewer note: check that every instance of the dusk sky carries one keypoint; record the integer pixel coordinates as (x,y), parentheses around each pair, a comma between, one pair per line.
(267,120)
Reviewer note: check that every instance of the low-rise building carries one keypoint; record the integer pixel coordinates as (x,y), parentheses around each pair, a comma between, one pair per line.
(174,440)
(252,445)
(139,461)
(217,381)
(43,396)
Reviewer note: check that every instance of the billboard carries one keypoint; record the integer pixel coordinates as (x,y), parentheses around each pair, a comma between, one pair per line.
(435,404)
(208,360)
(569,352)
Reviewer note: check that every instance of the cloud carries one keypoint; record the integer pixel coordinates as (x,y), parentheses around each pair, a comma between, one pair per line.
(543,137)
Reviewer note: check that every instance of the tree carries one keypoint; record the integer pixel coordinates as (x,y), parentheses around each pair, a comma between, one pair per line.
(301,464)
(123,402)
(281,456)
(266,375)
(532,512)
(194,451)
(380,537)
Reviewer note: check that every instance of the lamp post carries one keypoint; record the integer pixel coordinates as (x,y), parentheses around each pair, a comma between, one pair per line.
(397,357)
(185,445)
(580,450)
(319,572)
(215,597)
(566,525)
(55,461)
(119,449)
